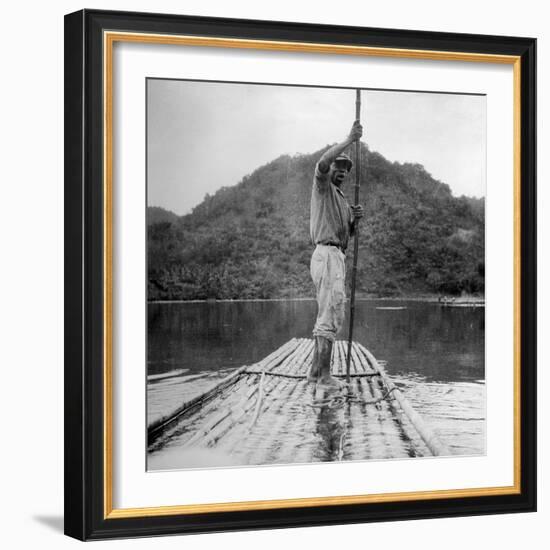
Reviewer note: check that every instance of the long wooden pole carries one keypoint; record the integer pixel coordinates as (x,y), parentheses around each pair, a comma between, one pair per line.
(355,235)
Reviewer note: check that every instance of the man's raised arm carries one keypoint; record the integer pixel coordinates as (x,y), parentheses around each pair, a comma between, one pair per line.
(328,156)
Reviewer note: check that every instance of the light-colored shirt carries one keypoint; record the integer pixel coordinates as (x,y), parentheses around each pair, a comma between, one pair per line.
(330,221)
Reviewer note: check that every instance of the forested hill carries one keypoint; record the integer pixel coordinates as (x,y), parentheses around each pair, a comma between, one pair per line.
(252,240)
(156,214)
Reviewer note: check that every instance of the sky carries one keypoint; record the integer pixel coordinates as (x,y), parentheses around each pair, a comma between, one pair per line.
(202,136)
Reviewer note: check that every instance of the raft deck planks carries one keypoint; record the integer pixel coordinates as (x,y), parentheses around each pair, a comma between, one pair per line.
(266,414)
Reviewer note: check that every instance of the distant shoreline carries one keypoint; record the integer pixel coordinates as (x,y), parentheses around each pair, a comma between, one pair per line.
(464,300)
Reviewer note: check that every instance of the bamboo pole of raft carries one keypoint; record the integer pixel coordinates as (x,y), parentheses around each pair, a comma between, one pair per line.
(279,445)
(277,357)
(436,446)
(257,390)
(355,233)
(406,428)
(375,421)
(224,421)
(393,431)
(267,362)
(228,418)
(271,361)
(216,428)
(371,427)
(243,432)
(255,439)
(232,414)
(156,427)
(260,397)
(409,434)
(347,423)
(361,432)
(341,354)
(301,355)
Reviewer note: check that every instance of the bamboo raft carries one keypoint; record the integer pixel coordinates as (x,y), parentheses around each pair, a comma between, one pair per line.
(267,413)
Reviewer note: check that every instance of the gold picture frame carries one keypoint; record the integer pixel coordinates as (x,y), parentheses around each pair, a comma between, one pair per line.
(97,33)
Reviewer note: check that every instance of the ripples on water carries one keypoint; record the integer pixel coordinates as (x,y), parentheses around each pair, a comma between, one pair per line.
(435,355)
(455,409)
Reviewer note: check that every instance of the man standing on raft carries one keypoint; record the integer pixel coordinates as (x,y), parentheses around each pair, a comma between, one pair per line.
(331,225)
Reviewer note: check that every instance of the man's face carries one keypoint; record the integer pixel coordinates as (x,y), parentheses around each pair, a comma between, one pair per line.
(339,173)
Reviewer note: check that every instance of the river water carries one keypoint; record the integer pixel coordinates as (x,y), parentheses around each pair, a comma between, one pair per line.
(434,354)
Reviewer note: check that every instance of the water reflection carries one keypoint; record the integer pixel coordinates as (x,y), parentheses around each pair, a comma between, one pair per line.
(329,428)
(439,344)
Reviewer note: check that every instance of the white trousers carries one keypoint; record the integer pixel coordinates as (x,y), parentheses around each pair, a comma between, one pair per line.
(328,271)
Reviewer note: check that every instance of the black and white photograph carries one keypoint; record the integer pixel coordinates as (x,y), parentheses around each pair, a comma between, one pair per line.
(315,274)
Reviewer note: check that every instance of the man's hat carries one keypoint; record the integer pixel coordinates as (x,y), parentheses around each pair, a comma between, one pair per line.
(343,159)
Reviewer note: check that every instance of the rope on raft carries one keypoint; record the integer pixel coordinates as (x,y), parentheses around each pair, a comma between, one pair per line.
(303,376)
(339,400)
